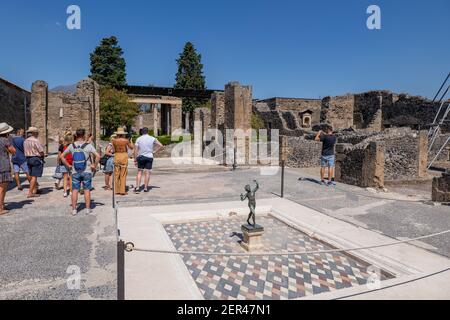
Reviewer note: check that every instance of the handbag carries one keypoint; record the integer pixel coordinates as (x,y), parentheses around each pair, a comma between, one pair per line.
(103,160)
(58,175)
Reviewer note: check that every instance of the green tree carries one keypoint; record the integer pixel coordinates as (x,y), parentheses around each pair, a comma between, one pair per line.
(190,75)
(116,109)
(107,63)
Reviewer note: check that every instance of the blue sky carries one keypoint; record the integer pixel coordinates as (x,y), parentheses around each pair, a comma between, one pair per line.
(282,48)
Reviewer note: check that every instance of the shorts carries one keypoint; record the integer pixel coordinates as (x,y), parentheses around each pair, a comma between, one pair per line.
(23,167)
(5,177)
(35,166)
(63,169)
(327,161)
(109,167)
(144,163)
(84,178)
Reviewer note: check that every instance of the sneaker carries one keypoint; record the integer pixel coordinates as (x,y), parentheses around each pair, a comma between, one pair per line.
(66,194)
(136,190)
(146,189)
(88,211)
(332,183)
(323,183)
(74,212)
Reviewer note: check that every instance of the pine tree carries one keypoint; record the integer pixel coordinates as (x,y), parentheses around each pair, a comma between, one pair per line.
(190,75)
(107,63)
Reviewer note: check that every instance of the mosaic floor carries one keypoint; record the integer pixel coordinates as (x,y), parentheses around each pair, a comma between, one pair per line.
(262,277)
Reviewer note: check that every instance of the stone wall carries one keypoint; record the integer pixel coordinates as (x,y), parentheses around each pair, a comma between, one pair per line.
(412,111)
(289,115)
(367,113)
(402,150)
(302,153)
(53,113)
(217,109)
(441,188)
(295,106)
(406,157)
(338,111)
(14,105)
(361,165)
(377,110)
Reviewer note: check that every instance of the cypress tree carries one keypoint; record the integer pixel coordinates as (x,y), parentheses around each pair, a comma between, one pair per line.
(190,75)
(107,63)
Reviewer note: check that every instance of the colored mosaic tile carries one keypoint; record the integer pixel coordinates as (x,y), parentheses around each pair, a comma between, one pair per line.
(274,277)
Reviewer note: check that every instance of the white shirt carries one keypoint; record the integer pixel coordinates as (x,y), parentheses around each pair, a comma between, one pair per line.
(144,145)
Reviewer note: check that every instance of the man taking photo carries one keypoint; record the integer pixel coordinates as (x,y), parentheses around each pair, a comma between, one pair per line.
(327,160)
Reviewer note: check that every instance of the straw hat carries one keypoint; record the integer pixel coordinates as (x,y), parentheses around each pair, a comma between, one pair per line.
(5,128)
(121,132)
(32,130)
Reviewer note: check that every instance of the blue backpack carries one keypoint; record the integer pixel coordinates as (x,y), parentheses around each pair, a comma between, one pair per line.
(79,158)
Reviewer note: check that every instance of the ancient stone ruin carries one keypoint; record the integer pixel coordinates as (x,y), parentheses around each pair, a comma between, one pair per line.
(382,136)
(14,105)
(54,113)
(441,188)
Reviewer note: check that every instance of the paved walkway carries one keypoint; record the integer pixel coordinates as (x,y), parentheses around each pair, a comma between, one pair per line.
(43,240)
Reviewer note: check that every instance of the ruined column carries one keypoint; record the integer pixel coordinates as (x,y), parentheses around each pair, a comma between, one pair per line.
(89,89)
(422,154)
(176,114)
(39,110)
(237,116)
(373,166)
(155,120)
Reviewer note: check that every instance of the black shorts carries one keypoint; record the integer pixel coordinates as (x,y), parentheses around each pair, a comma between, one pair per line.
(144,163)
(35,166)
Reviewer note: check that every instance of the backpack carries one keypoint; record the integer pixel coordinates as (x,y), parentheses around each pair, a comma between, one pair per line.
(79,158)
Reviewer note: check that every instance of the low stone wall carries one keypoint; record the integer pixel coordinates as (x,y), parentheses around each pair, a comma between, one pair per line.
(361,165)
(394,155)
(441,188)
(302,153)
(406,156)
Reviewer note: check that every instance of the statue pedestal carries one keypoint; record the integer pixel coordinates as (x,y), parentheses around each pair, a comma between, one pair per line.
(252,237)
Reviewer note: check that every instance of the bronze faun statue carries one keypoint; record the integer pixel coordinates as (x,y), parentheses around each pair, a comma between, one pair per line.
(250,195)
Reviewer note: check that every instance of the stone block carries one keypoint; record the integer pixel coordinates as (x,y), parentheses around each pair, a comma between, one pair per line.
(441,188)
